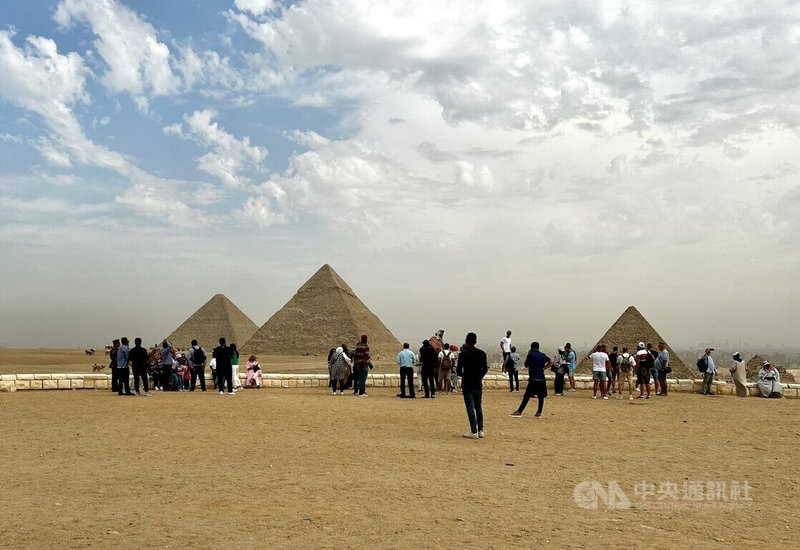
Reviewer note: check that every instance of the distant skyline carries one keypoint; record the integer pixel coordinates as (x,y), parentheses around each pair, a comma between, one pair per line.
(515,165)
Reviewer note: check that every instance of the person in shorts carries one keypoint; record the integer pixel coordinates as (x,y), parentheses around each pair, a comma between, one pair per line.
(600,364)
(625,364)
(643,364)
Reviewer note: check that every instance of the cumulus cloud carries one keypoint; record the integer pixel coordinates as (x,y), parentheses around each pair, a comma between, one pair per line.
(136,61)
(229,157)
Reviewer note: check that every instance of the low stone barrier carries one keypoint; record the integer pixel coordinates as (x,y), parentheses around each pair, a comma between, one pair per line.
(61,381)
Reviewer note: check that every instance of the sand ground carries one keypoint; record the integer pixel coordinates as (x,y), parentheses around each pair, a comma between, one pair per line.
(298,468)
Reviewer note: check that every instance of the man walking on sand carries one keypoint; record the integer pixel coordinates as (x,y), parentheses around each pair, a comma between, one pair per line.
(536,363)
(472,367)
(505,347)
(406,360)
(600,365)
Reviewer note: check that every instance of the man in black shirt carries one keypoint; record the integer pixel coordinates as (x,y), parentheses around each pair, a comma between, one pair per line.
(472,367)
(138,359)
(428,357)
(222,354)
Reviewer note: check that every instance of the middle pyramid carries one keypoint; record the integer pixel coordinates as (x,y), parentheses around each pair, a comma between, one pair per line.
(323,313)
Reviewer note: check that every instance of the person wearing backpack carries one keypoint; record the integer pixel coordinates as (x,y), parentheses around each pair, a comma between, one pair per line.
(197,360)
(644,362)
(626,363)
(445,364)
(708,374)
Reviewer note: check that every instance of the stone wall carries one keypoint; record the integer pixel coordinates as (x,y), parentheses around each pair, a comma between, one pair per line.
(14,382)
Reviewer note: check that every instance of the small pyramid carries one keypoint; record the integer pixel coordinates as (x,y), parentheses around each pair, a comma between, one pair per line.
(627,331)
(323,313)
(217,318)
(753,366)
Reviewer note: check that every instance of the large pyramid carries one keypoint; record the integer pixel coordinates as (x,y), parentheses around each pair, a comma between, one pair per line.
(325,312)
(630,329)
(217,318)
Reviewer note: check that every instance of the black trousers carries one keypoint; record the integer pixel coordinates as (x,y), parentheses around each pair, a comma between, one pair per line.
(407,373)
(428,382)
(201,373)
(512,376)
(225,374)
(140,372)
(114,378)
(166,373)
(123,376)
(558,386)
(537,388)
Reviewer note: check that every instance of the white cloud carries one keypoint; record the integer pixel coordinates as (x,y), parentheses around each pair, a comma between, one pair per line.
(137,61)
(256,7)
(229,158)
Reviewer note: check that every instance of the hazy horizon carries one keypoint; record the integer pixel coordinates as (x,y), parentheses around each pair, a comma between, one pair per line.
(537,167)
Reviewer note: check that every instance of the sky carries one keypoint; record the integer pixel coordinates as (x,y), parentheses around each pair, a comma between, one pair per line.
(473,166)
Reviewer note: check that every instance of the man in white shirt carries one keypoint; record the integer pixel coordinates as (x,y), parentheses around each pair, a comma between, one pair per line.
(505,347)
(600,363)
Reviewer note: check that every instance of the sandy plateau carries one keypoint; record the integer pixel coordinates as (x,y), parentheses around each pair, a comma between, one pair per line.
(298,468)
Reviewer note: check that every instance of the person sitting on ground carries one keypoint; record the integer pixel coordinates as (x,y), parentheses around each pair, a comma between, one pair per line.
(253,372)
(769,381)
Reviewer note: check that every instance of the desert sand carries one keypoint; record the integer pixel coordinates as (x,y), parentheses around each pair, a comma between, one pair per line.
(298,468)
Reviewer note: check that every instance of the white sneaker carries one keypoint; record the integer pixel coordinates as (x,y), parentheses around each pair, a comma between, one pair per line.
(594,397)
(222,392)
(147,394)
(605,397)
(470,435)
(481,435)
(363,395)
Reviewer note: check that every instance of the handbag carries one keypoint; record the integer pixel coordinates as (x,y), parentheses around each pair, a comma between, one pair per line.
(667,370)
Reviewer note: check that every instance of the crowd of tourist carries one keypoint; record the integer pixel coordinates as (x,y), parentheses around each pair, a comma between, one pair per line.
(166,369)
(440,368)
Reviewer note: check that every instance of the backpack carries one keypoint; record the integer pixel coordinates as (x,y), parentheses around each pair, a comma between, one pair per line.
(447,361)
(199,357)
(702,364)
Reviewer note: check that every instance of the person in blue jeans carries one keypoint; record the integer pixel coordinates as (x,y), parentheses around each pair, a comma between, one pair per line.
(536,363)
(361,365)
(472,367)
